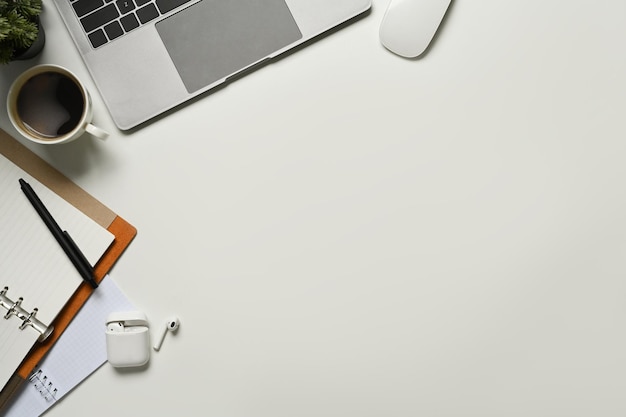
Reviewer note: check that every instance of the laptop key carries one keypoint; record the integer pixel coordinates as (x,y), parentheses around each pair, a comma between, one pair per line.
(125,6)
(83,7)
(168,5)
(113,30)
(99,18)
(98,38)
(147,13)
(129,22)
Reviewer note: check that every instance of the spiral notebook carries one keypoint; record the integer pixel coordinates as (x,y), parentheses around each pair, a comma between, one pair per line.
(36,277)
(75,356)
(100,232)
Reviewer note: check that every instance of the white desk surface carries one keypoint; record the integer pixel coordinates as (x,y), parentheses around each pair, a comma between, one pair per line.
(349,233)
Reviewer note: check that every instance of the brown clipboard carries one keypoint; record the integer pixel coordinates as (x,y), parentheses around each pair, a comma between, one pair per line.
(123,231)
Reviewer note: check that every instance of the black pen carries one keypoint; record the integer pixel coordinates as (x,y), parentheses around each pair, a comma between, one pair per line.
(62,237)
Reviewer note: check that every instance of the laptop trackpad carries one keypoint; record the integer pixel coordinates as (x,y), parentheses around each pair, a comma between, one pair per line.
(213,39)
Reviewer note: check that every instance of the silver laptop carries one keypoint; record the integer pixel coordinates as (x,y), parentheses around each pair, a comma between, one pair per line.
(147,56)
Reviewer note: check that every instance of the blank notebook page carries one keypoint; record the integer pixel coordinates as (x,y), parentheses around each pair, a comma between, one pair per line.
(32,264)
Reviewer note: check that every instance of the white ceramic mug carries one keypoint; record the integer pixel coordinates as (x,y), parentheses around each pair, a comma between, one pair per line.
(48,104)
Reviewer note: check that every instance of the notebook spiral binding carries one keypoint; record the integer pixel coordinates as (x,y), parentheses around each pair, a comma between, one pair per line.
(14,308)
(44,386)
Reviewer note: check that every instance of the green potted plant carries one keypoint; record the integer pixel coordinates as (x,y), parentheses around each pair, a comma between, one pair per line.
(21,35)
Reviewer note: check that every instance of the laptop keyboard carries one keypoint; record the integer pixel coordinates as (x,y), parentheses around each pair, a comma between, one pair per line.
(106,20)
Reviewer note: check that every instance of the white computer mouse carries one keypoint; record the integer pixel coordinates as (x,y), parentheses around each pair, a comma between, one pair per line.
(409,25)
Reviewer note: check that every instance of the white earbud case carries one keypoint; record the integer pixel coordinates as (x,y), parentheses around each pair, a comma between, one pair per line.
(127,339)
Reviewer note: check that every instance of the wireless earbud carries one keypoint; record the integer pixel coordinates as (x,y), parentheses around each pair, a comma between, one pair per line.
(171,326)
(115,326)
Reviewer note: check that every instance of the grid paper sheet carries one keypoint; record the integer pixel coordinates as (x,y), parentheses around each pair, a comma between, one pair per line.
(77,354)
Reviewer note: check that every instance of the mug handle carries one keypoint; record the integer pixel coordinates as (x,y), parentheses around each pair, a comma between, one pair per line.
(96,131)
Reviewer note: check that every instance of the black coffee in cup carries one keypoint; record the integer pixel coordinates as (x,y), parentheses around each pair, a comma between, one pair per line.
(50,104)
(47,104)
